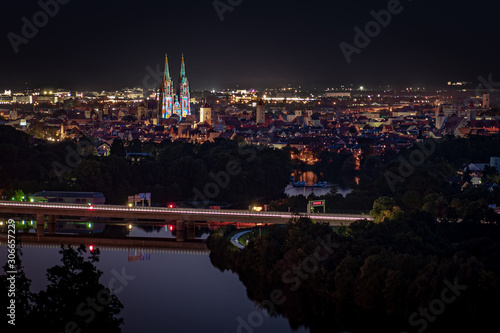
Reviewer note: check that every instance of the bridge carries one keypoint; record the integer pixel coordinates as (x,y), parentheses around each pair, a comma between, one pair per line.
(182,216)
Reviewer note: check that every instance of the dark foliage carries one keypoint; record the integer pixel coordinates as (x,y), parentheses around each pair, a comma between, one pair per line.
(172,171)
(74,299)
(375,275)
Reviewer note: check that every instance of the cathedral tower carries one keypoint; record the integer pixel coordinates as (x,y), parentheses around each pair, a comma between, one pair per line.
(184,95)
(168,93)
(178,103)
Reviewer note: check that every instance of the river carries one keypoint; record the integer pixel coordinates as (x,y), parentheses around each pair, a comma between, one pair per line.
(169,292)
(310,178)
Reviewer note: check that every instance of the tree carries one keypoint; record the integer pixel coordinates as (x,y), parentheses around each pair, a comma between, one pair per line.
(40,131)
(134,146)
(390,215)
(489,173)
(466,176)
(412,200)
(382,205)
(435,204)
(129,118)
(353,130)
(73,286)
(66,303)
(19,196)
(117,148)
(474,213)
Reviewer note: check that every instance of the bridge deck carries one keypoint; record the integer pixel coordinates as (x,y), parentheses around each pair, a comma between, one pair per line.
(160,213)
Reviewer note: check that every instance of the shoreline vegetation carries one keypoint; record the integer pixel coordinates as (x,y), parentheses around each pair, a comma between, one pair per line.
(179,171)
(374,276)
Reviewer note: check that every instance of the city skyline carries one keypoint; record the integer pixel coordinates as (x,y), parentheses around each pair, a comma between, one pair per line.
(252,44)
(249,166)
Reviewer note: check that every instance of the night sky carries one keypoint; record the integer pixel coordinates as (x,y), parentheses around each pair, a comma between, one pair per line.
(108,44)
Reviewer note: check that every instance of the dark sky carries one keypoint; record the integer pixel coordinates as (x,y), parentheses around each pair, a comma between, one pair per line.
(108,44)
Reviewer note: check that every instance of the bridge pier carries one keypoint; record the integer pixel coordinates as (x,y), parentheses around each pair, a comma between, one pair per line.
(40,224)
(180,231)
(52,224)
(190,233)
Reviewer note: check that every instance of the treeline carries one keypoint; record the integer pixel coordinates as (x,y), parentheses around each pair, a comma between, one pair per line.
(222,171)
(424,177)
(405,274)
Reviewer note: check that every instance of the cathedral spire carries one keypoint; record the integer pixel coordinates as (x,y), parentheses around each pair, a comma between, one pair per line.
(167,92)
(166,75)
(184,95)
(183,67)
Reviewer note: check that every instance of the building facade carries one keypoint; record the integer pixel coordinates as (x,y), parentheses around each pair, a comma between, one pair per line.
(261,113)
(175,103)
(206,114)
(94,198)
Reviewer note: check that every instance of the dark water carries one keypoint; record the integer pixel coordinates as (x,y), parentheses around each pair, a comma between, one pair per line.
(171,290)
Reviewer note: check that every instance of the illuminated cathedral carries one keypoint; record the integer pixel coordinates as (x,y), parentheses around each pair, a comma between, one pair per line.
(179,102)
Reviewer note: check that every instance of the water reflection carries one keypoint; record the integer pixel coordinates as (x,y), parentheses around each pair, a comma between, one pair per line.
(307,182)
(74,299)
(104,228)
(174,290)
(138,255)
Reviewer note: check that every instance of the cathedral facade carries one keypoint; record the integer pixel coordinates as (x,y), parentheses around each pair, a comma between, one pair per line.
(177,102)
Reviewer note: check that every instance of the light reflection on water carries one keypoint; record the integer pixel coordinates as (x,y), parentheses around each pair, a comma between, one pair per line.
(128,228)
(306,190)
(310,179)
(172,292)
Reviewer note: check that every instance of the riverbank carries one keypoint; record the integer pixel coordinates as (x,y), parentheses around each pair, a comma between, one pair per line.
(382,271)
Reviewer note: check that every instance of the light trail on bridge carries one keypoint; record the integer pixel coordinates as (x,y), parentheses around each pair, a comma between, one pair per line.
(232,215)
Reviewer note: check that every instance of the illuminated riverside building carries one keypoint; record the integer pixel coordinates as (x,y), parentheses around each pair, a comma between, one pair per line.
(175,103)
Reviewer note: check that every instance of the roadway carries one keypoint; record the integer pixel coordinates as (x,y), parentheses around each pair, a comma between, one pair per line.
(168,214)
(236,237)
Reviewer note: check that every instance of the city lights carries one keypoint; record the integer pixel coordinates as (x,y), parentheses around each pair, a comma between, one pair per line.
(245,166)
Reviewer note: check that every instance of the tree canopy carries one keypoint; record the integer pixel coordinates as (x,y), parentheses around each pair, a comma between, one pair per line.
(73,300)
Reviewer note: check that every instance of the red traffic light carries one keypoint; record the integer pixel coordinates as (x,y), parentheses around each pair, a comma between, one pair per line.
(91,248)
